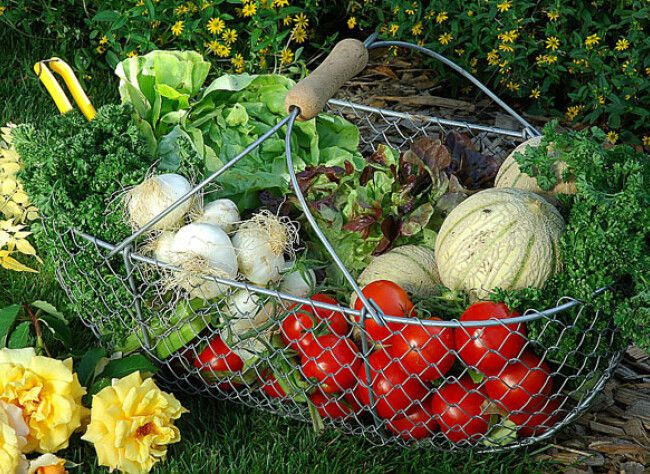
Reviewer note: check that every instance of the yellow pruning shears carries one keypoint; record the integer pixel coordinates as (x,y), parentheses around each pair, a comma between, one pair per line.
(42,70)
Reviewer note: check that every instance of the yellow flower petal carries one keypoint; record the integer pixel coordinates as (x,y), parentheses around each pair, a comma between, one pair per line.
(132,422)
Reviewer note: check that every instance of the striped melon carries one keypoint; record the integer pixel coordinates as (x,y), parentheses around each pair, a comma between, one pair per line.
(510,176)
(413,267)
(499,238)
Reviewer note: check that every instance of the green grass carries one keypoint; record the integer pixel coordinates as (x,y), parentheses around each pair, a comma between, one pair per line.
(216,436)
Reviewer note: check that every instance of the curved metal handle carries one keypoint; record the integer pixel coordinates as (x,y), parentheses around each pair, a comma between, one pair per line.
(371,44)
(54,88)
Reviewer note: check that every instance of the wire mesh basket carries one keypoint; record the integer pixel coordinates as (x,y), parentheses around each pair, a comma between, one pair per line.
(235,351)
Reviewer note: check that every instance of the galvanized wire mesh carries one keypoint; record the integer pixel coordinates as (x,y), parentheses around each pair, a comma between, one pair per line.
(186,337)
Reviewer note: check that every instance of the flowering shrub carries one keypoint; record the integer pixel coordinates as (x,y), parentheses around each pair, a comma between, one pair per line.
(131,421)
(15,208)
(589,60)
(586,60)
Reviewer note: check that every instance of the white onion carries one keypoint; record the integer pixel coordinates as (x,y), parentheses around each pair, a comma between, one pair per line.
(260,244)
(203,250)
(246,315)
(151,197)
(161,248)
(222,213)
(301,283)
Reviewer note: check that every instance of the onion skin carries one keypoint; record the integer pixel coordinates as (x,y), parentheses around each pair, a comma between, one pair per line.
(153,196)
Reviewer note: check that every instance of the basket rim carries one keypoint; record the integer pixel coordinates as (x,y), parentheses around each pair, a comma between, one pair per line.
(529,315)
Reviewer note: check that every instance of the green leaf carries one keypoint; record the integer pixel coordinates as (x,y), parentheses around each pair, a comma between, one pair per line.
(107,15)
(476,377)
(48,308)
(169,149)
(119,368)
(97,386)
(8,317)
(86,368)
(59,328)
(150,8)
(502,434)
(20,337)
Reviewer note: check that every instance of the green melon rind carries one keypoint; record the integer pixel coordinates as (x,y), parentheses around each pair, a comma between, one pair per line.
(470,249)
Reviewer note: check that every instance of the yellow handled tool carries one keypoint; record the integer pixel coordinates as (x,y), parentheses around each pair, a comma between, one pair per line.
(42,70)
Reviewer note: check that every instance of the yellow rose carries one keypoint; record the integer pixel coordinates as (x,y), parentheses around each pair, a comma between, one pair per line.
(49,394)
(12,440)
(131,424)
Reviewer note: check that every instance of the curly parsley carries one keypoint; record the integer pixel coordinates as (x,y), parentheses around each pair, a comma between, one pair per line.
(606,242)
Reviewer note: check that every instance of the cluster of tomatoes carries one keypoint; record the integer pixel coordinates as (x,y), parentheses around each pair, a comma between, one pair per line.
(402,376)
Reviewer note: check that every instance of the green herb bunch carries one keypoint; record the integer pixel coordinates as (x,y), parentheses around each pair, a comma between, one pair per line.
(74,171)
(606,242)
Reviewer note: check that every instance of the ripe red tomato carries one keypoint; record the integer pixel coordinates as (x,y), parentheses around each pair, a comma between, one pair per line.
(272,387)
(331,407)
(539,422)
(489,348)
(394,389)
(417,422)
(458,408)
(217,357)
(392,300)
(523,384)
(423,350)
(298,327)
(217,362)
(333,361)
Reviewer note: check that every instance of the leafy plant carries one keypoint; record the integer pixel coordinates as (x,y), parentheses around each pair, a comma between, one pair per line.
(25,325)
(74,171)
(606,242)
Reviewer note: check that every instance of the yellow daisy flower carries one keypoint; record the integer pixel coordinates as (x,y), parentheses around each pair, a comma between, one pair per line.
(417,29)
(504,6)
(535,93)
(506,48)
(513,86)
(299,35)
(249,10)
(592,40)
(612,137)
(301,21)
(393,29)
(493,57)
(441,17)
(229,36)
(280,3)
(286,57)
(553,15)
(445,38)
(573,111)
(622,45)
(508,36)
(552,43)
(238,62)
(222,51)
(181,9)
(215,25)
(177,28)
(646,140)
(352,22)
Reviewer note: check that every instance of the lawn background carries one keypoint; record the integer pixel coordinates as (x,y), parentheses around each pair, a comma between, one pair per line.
(216,436)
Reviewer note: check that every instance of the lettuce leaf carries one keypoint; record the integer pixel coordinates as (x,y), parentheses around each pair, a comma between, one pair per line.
(160,85)
(235,110)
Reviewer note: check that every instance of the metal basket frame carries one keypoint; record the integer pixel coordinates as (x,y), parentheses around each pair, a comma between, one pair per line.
(131,260)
